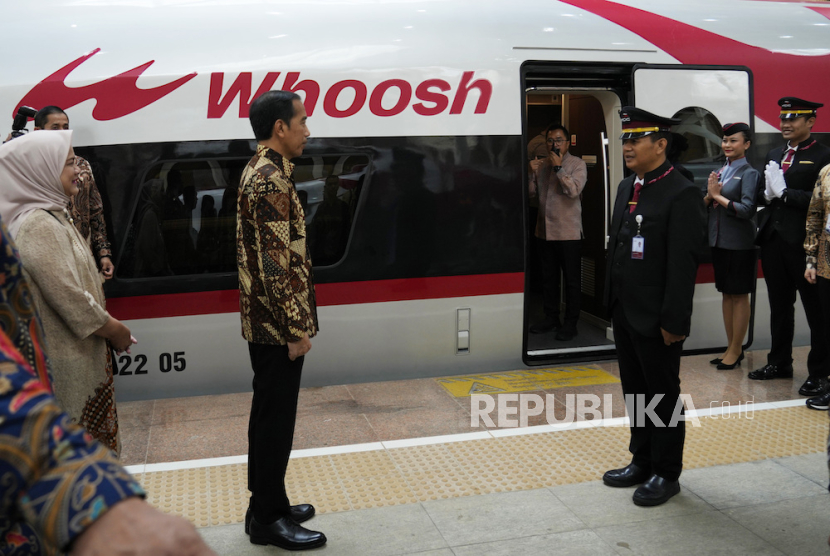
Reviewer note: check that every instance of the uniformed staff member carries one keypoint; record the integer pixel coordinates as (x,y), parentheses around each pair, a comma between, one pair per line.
(791,174)
(657,234)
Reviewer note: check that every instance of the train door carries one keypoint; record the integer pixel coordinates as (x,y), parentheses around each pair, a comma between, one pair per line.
(704,99)
(586,99)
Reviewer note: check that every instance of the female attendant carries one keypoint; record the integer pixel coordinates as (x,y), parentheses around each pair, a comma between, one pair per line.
(730,200)
(38,176)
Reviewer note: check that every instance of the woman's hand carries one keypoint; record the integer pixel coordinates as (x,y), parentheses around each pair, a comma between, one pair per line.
(118,335)
(714,187)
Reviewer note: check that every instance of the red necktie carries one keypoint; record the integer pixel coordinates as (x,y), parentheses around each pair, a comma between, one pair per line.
(632,204)
(788,159)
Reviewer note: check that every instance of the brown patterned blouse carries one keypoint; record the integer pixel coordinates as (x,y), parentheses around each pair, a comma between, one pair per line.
(276,288)
(87,211)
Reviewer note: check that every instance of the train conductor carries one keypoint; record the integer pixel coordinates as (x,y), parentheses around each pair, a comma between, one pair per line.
(791,174)
(657,234)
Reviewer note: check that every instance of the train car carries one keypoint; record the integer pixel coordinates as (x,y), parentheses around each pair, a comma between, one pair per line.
(415,177)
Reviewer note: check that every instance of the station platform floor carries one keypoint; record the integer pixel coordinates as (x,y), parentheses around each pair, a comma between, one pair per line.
(399,468)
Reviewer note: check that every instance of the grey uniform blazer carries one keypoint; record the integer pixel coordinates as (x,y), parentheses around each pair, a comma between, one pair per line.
(734,227)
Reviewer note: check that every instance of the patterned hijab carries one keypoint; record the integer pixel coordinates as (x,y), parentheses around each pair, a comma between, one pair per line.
(30,175)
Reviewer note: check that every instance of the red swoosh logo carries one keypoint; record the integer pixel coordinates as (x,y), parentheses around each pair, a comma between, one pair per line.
(776,74)
(115,97)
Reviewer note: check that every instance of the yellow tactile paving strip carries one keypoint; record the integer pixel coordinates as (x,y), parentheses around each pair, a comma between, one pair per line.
(465,386)
(211,496)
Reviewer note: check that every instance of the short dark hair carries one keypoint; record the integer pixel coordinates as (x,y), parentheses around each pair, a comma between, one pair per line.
(43,114)
(553,127)
(662,135)
(268,108)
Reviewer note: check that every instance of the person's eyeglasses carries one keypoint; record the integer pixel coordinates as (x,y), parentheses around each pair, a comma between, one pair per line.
(556,140)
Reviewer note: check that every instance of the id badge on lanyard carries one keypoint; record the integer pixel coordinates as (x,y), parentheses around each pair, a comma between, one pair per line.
(638,243)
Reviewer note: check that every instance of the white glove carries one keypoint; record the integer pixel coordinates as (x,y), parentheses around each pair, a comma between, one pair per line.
(768,194)
(775,179)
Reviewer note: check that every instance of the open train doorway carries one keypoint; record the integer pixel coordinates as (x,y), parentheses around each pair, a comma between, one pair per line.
(586,98)
(585,116)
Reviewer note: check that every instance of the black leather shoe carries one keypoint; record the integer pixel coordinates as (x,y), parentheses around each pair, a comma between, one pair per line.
(302,512)
(821,403)
(550,323)
(286,533)
(768,372)
(566,333)
(299,513)
(628,476)
(655,491)
(813,387)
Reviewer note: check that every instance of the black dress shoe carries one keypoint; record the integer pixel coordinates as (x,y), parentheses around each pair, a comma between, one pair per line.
(566,333)
(728,367)
(550,323)
(302,512)
(299,513)
(628,476)
(813,387)
(821,403)
(655,491)
(286,533)
(768,372)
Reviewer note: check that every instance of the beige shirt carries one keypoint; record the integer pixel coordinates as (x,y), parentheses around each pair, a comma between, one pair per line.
(67,290)
(560,198)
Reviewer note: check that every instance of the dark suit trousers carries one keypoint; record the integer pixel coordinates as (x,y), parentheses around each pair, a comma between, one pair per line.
(271,428)
(648,367)
(562,256)
(783,266)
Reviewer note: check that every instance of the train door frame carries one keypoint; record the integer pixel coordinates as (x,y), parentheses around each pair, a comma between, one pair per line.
(723,117)
(610,85)
(620,79)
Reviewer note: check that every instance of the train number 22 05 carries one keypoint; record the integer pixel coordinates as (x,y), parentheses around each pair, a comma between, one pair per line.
(126,364)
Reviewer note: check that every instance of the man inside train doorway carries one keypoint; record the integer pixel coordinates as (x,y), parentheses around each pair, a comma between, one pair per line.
(279,314)
(558,181)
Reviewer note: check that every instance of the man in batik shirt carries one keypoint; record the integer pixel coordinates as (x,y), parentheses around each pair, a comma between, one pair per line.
(279,314)
(86,208)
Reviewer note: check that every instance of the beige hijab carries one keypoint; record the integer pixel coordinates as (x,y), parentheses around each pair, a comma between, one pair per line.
(30,175)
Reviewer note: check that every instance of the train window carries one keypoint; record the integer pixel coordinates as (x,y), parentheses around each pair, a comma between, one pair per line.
(329,187)
(699,149)
(184,221)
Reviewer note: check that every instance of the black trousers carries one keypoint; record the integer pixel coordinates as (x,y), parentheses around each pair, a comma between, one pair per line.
(823,285)
(783,266)
(271,428)
(562,256)
(648,368)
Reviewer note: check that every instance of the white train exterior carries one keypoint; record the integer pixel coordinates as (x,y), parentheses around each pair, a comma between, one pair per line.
(423,111)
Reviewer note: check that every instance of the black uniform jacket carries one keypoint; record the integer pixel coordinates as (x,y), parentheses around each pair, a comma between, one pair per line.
(788,216)
(657,290)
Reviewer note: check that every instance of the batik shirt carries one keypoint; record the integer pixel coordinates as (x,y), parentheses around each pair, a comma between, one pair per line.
(817,242)
(276,288)
(87,211)
(55,480)
(18,317)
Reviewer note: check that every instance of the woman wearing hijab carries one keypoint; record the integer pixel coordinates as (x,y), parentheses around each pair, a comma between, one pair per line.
(38,175)
(730,200)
